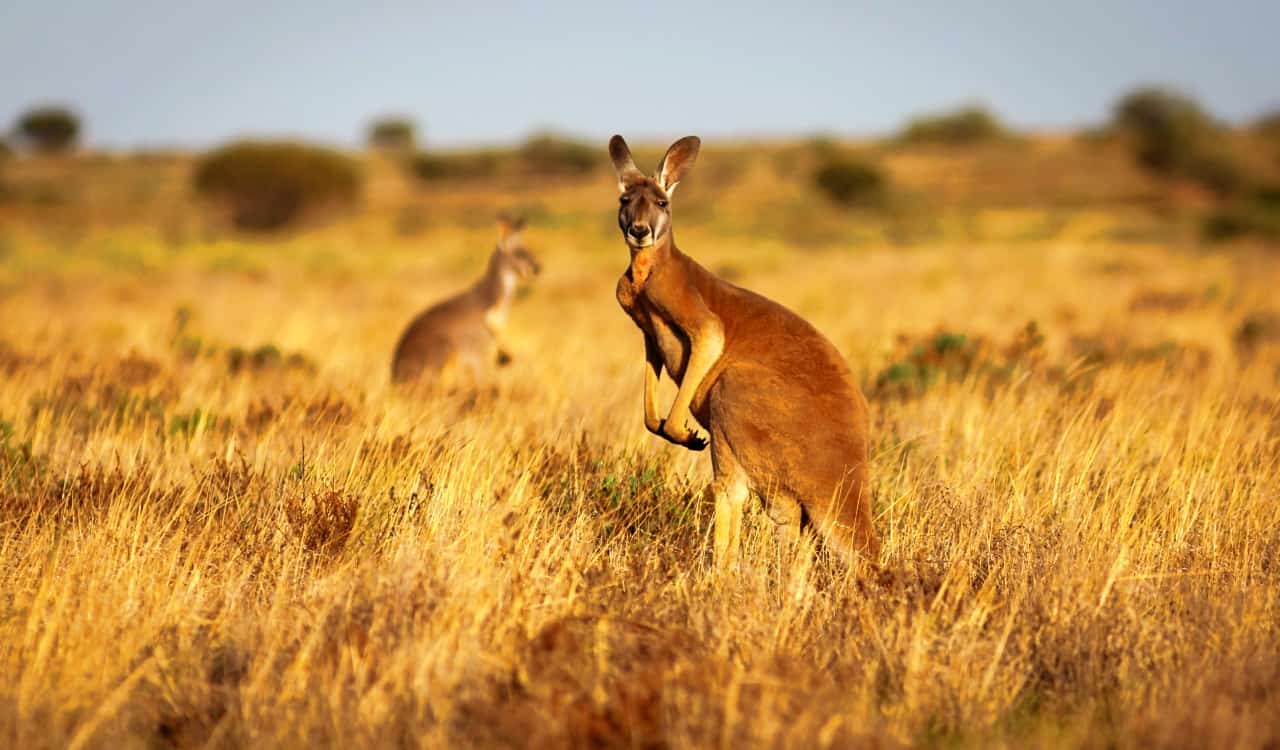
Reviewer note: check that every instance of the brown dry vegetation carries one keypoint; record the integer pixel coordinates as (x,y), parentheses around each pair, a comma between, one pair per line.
(220,526)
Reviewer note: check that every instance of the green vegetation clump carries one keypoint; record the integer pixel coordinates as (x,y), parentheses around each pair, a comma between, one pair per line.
(1218,173)
(394,134)
(852,183)
(1268,126)
(1169,129)
(964,126)
(1256,216)
(552,154)
(5,154)
(269,185)
(951,356)
(467,165)
(542,155)
(1174,136)
(49,129)
(1258,329)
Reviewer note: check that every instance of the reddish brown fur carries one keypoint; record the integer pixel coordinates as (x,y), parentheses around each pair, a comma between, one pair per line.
(780,403)
(463,332)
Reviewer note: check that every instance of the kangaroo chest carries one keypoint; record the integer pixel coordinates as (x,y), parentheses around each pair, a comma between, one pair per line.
(633,296)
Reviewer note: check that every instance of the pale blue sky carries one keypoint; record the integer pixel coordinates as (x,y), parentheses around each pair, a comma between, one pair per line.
(192,74)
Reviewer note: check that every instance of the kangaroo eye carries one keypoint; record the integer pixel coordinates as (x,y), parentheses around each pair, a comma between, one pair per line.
(662,204)
(624,200)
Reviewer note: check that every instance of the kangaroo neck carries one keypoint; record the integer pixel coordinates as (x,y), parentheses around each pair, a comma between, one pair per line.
(497,286)
(645,259)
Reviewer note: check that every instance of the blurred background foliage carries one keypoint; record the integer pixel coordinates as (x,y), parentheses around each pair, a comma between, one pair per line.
(1163,168)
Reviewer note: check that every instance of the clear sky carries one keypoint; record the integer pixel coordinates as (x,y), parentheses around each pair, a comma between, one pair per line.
(195,73)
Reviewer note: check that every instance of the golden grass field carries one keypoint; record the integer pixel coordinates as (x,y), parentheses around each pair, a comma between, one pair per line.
(220,526)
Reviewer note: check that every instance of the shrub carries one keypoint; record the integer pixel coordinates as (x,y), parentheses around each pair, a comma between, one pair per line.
(467,165)
(972,124)
(548,153)
(1268,125)
(397,134)
(950,356)
(5,154)
(851,183)
(1217,172)
(49,129)
(268,185)
(322,523)
(1258,329)
(1267,128)
(1169,129)
(1258,216)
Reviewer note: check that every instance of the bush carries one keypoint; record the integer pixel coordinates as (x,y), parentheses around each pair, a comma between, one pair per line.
(1258,216)
(49,129)
(1174,136)
(268,185)
(1217,172)
(396,134)
(851,183)
(548,153)
(1169,129)
(431,167)
(950,356)
(1268,126)
(6,150)
(966,125)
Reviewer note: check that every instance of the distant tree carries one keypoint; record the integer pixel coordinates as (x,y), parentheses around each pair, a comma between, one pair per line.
(6,150)
(1174,136)
(268,185)
(49,129)
(1169,128)
(397,134)
(851,183)
(967,125)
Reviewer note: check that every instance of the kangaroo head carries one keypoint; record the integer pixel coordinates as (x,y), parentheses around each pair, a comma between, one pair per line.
(511,257)
(644,208)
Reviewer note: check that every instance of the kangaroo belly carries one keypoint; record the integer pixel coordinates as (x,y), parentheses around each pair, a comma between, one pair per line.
(433,343)
(671,341)
(674,345)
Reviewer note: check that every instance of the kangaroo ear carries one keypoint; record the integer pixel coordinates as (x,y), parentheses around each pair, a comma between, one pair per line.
(622,161)
(678,161)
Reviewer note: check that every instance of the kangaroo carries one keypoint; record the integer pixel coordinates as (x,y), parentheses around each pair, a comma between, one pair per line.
(463,333)
(771,396)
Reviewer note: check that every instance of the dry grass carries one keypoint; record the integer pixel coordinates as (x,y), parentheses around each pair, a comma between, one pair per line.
(219,526)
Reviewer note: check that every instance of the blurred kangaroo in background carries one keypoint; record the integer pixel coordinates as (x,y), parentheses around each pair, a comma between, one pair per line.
(773,398)
(462,335)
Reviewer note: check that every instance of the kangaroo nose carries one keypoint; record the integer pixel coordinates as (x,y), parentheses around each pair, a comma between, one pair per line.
(639,231)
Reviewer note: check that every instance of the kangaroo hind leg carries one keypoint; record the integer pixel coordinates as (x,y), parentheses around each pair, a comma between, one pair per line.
(729,491)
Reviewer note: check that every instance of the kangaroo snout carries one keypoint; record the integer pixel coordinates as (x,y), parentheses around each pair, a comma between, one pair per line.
(638,231)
